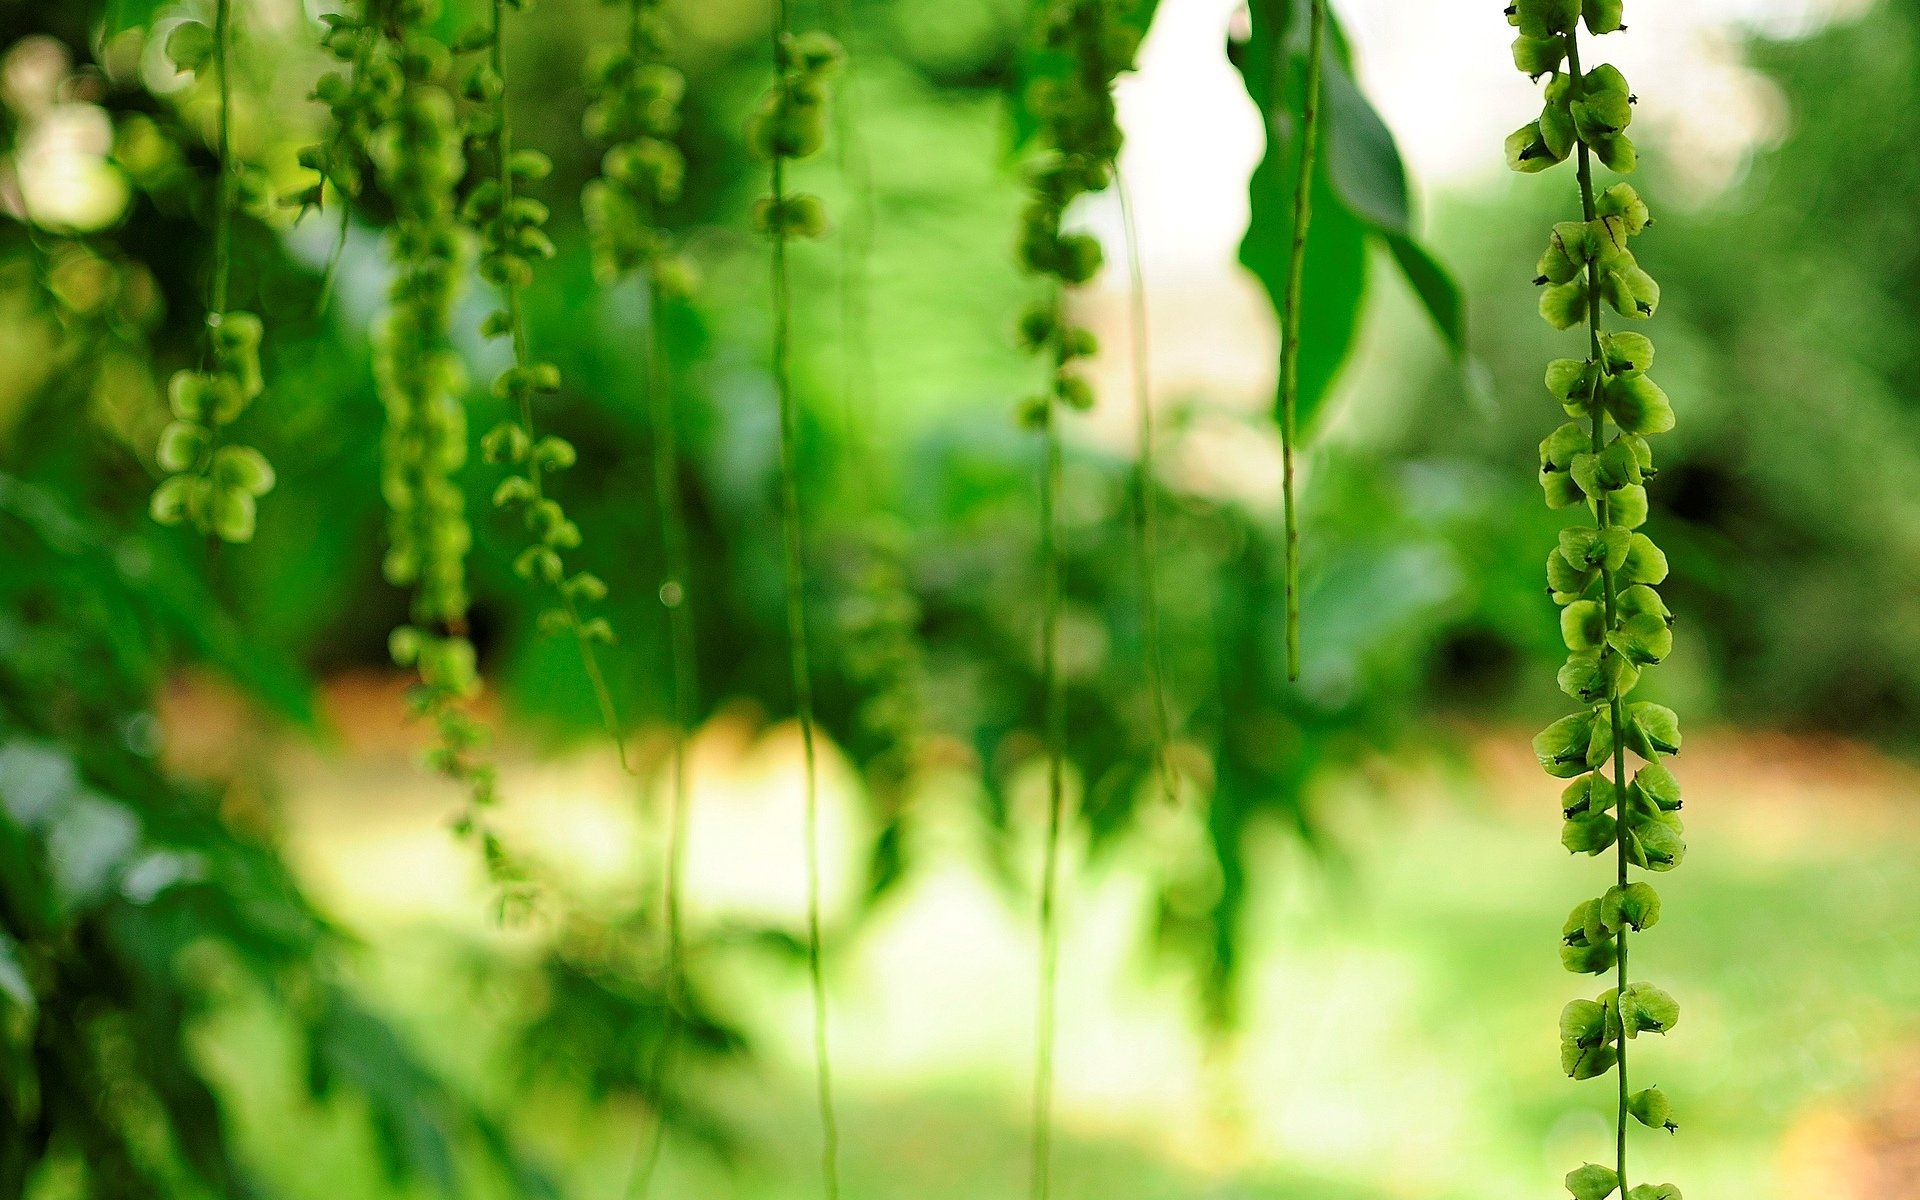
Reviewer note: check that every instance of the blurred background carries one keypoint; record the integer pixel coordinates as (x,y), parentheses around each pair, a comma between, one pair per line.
(244,955)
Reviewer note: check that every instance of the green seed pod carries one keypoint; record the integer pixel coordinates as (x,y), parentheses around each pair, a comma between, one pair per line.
(1567,253)
(1645,562)
(1655,846)
(1580,677)
(1535,56)
(1602,16)
(1563,445)
(241,469)
(181,445)
(1628,353)
(1566,581)
(403,645)
(1592,1182)
(1587,794)
(1654,1191)
(1583,625)
(1636,906)
(1587,959)
(1565,305)
(1562,746)
(1589,833)
(1075,392)
(1623,204)
(1659,787)
(1081,258)
(175,499)
(814,53)
(1657,727)
(1644,1008)
(1638,405)
(514,490)
(1544,18)
(1528,150)
(1629,290)
(1644,639)
(1617,152)
(1589,1062)
(1571,380)
(189,46)
(1652,1109)
(232,514)
(1606,549)
(1583,1023)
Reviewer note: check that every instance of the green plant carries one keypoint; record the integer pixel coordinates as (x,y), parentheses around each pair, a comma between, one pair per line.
(634,112)
(512,236)
(212,486)
(791,124)
(419,161)
(1603,575)
(1089,44)
(1290,318)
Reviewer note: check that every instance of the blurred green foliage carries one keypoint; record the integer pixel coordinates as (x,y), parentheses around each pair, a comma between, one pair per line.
(1789,500)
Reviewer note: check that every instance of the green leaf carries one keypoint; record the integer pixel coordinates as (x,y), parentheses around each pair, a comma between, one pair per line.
(1592,1182)
(1359,191)
(1436,289)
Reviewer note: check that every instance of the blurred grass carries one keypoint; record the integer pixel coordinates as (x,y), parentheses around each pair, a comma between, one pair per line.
(1400,1015)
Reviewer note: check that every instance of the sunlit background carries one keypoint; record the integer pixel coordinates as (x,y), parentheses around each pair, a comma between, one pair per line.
(1348,990)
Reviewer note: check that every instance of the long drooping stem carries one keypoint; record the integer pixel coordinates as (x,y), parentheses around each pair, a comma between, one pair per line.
(536,463)
(855,165)
(1041,1170)
(676,598)
(1609,597)
(1290,333)
(223,202)
(1145,505)
(793,538)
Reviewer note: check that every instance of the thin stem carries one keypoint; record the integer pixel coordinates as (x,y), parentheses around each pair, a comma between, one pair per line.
(1041,1169)
(797,644)
(331,275)
(523,357)
(1145,516)
(223,202)
(675,597)
(1290,337)
(1609,595)
(858,386)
